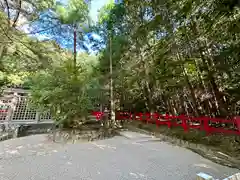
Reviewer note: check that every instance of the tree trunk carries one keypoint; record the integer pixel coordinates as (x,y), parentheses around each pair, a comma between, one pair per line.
(207,66)
(194,100)
(113,117)
(75,48)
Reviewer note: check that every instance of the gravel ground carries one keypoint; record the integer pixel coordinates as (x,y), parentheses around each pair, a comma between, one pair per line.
(135,157)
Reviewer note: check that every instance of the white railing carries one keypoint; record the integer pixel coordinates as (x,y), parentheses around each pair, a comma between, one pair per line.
(14,107)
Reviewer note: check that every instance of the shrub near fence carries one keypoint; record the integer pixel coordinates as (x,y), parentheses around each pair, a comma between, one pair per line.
(207,124)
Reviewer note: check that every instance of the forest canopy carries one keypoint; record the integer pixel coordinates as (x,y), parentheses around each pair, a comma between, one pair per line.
(180,57)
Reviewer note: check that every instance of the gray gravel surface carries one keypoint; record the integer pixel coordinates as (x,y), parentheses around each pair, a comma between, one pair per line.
(119,158)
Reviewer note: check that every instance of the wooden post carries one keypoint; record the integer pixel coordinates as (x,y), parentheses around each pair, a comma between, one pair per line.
(12,106)
(184,122)
(16,132)
(206,125)
(37,117)
(237,119)
(105,118)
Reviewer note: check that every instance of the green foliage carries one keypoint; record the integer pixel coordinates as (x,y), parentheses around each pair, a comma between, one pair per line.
(178,56)
(3,80)
(68,92)
(69,95)
(174,56)
(75,12)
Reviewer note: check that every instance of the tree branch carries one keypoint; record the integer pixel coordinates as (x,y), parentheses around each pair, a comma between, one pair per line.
(8,12)
(18,13)
(6,34)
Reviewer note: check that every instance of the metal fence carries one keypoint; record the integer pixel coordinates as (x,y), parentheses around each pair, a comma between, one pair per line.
(14,107)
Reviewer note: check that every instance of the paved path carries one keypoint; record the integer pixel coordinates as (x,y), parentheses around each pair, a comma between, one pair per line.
(119,158)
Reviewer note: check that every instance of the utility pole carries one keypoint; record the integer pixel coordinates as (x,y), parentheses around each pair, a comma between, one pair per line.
(111,82)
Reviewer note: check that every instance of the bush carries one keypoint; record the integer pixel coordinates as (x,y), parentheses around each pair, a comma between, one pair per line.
(68,94)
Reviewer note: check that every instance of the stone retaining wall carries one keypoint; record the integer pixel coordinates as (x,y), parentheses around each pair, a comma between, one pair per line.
(63,136)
